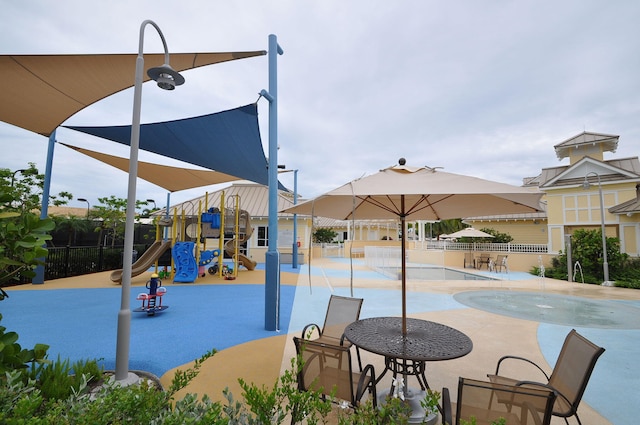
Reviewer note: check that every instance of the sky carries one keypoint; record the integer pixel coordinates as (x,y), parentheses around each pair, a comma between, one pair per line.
(483,88)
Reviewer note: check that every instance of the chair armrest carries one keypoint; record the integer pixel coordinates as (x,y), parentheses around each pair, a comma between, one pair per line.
(311,327)
(521,359)
(447,416)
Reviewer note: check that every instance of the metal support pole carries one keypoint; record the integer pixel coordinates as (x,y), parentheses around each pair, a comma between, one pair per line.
(294,260)
(272,256)
(38,279)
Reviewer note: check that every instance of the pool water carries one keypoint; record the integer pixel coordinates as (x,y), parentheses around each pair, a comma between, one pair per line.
(430,273)
(558,309)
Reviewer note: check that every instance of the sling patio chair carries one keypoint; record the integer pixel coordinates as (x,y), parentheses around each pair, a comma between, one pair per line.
(501,263)
(469,261)
(569,377)
(341,312)
(488,403)
(327,369)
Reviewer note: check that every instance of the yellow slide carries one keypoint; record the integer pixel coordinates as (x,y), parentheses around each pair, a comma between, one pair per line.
(147,260)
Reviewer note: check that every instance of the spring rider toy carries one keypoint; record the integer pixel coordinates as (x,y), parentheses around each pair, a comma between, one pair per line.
(152,302)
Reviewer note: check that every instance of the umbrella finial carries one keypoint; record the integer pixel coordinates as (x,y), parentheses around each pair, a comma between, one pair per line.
(402,161)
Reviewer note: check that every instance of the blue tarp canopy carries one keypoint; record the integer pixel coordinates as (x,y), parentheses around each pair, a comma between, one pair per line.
(228,141)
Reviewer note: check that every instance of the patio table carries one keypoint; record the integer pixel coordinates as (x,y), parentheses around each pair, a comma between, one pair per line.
(425,341)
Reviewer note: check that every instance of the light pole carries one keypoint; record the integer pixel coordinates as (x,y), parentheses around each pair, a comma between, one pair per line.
(153,202)
(88,205)
(13,176)
(605,264)
(167,79)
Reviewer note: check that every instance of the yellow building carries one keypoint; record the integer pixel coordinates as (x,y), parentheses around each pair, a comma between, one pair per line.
(571,205)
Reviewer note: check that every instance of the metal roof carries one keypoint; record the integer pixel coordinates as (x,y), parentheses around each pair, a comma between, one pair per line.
(608,141)
(254,198)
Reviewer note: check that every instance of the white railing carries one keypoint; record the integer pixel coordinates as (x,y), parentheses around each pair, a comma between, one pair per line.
(492,247)
(332,249)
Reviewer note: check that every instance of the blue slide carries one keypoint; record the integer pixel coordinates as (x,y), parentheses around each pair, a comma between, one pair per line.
(185,262)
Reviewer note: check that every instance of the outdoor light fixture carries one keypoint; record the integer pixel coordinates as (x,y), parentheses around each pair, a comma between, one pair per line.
(167,79)
(153,202)
(88,205)
(605,265)
(165,76)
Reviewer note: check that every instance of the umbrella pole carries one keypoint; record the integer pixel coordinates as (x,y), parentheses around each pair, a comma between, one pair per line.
(403,267)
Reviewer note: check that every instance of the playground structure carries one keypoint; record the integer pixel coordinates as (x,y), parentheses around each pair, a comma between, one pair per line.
(152,302)
(187,237)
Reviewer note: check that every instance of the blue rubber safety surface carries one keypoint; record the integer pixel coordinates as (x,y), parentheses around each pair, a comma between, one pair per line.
(81,323)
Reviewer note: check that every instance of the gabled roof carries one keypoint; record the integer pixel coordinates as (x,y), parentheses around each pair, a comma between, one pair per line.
(608,171)
(254,198)
(632,206)
(609,143)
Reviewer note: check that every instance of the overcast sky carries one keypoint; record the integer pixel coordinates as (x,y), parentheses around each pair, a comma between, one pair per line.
(484,88)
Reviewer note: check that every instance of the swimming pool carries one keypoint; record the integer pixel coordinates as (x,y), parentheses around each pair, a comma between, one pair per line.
(430,273)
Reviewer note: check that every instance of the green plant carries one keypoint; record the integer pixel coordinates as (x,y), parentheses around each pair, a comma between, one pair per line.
(14,357)
(271,406)
(473,421)
(393,411)
(324,235)
(431,402)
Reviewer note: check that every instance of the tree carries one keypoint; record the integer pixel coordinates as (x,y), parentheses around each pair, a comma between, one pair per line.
(324,235)
(497,236)
(23,234)
(445,227)
(112,212)
(72,225)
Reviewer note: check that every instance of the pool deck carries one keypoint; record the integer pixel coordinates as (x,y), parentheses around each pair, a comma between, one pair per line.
(611,395)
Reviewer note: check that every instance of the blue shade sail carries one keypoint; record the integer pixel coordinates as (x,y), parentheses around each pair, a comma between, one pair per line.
(227,141)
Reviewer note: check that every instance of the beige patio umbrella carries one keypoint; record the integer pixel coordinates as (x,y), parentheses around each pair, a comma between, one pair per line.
(419,193)
(469,232)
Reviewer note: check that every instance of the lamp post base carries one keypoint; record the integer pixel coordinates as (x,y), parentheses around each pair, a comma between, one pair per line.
(608,283)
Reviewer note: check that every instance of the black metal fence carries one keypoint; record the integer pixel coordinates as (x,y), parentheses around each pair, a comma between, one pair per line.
(79,260)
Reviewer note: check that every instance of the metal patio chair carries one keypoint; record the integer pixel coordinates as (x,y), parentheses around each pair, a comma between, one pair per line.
(569,377)
(327,368)
(469,261)
(341,312)
(488,402)
(501,263)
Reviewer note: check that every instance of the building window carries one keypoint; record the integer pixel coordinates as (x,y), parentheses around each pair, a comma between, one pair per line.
(263,236)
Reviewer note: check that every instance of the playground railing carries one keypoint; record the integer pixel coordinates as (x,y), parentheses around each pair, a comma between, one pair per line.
(79,260)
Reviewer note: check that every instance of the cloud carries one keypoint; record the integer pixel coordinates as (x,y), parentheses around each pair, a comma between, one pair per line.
(485,89)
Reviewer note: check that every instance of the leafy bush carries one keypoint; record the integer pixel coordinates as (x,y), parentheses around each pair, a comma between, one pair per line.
(324,235)
(587,250)
(14,357)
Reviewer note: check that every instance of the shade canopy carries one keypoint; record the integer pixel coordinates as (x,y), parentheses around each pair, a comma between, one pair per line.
(40,92)
(469,232)
(227,142)
(172,179)
(420,194)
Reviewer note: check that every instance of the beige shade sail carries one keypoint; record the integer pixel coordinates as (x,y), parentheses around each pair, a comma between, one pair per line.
(40,92)
(172,179)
